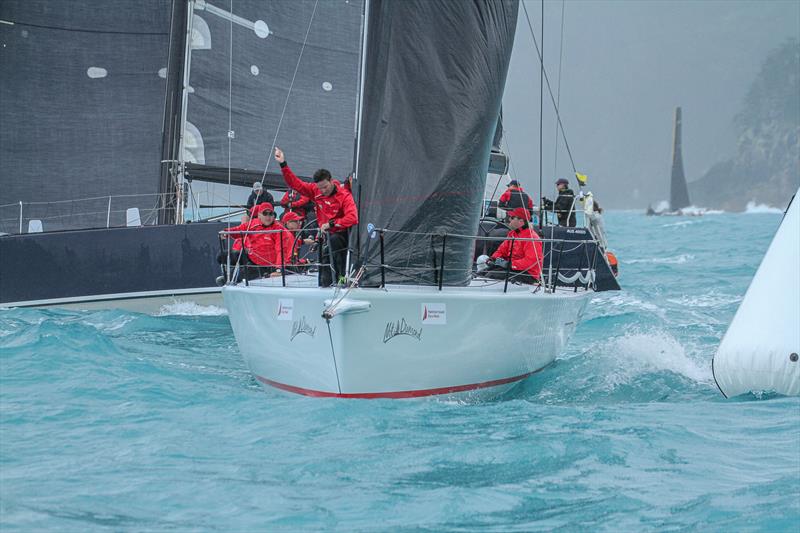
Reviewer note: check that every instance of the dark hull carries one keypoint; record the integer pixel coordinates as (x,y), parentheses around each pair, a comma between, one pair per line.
(570,259)
(109,264)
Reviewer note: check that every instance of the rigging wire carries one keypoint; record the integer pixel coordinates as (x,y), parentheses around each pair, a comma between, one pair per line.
(549,89)
(289,94)
(541,100)
(558,88)
(280,121)
(230,107)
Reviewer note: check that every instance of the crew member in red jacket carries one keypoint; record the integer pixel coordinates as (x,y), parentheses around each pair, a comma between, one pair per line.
(293,225)
(514,197)
(242,242)
(264,249)
(336,213)
(526,256)
(294,202)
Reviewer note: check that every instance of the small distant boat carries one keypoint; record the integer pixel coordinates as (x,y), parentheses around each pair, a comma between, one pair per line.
(679,203)
(760,351)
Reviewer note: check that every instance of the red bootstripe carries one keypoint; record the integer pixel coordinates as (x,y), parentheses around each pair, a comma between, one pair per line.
(398,394)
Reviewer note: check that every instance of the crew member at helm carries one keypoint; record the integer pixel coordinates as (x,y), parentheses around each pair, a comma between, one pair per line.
(336,213)
(525,255)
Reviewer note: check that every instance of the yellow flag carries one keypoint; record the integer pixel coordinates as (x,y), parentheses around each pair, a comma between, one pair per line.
(581,178)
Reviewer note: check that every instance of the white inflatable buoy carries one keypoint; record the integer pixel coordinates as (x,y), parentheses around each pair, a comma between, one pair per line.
(761,349)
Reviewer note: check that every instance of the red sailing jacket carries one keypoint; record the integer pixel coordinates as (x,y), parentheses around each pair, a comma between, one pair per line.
(338,208)
(506,197)
(527,254)
(265,248)
(295,202)
(238,237)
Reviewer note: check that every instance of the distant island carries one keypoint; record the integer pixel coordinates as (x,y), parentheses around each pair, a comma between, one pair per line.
(766,167)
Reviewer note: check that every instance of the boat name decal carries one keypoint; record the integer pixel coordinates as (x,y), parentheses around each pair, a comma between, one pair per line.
(301,326)
(400,327)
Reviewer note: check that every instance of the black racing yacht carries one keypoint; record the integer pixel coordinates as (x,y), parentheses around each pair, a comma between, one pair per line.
(130,126)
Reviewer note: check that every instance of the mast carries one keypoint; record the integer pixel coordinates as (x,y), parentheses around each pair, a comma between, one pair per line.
(679,192)
(179,41)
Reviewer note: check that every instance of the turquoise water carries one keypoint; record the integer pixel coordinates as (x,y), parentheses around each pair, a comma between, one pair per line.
(114,421)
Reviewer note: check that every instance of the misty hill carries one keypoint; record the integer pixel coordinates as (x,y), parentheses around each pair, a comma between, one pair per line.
(766,167)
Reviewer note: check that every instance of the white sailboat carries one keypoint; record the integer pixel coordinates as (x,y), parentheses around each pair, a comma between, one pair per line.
(413,319)
(760,350)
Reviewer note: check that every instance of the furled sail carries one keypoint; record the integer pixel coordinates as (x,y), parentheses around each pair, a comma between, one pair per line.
(434,78)
(294,69)
(82,91)
(678,191)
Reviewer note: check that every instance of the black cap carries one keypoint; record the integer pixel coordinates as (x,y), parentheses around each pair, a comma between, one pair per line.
(513,183)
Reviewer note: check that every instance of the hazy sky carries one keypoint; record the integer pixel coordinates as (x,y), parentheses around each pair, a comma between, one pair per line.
(626,65)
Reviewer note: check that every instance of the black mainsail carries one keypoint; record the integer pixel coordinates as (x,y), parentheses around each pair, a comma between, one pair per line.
(678,190)
(434,80)
(82,96)
(293,74)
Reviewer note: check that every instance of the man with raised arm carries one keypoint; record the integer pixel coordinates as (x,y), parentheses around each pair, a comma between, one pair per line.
(336,213)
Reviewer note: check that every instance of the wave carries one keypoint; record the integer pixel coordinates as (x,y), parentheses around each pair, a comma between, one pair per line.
(678,224)
(639,353)
(671,260)
(190,309)
(761,209)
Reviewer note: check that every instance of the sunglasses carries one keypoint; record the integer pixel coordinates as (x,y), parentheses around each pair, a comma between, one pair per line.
(267,213)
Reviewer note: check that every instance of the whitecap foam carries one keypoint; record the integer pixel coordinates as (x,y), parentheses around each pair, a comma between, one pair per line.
(761,209)
(661,206)
(117,322)
(177,308)
(638,353)
(671,260)
(709,300)
(678,224)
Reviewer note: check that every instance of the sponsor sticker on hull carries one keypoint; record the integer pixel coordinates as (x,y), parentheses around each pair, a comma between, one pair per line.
(434,314)
(285,309)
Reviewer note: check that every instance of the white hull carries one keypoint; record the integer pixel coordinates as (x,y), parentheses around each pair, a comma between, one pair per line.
(400,342)
(760,350)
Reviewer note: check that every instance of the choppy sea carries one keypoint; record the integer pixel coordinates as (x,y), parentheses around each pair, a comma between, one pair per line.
(115,421)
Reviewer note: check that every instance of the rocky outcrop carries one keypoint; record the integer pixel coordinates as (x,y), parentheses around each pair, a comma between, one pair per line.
(766,167)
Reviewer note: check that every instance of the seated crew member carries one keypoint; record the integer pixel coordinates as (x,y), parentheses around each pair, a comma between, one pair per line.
(526,256)
(336,213)
(259,196)
(222,258)
(294,202)
(241,255)
(563,206)
(293,222)
(514,197)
